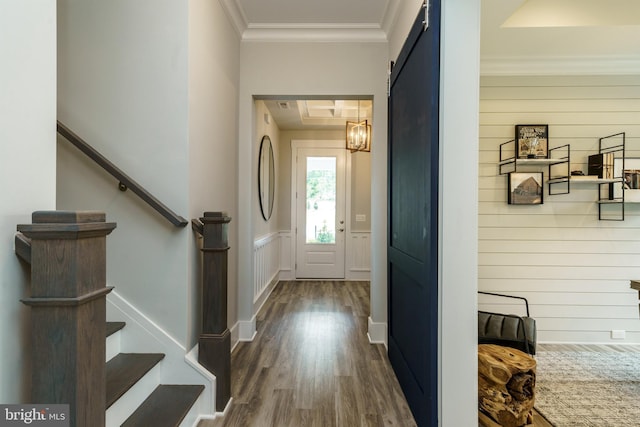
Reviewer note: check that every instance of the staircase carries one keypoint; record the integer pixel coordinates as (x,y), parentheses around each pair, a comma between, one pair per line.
(79,360)
(132,394)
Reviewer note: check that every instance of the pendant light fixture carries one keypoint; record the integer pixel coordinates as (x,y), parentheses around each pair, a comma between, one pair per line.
(358,134)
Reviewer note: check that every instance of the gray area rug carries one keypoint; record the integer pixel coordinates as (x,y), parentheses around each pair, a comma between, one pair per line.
(588,388)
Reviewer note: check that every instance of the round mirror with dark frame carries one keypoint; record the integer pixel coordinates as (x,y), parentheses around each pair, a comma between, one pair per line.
(266,177)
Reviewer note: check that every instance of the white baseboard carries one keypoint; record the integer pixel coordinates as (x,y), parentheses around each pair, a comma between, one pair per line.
(287,274)
(264,296)
(359,275)
(214,416)
(235,338)
(247,329)
(205,405)
(141,334)
(377,332)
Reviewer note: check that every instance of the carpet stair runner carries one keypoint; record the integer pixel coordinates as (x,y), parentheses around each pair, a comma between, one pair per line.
(166,406)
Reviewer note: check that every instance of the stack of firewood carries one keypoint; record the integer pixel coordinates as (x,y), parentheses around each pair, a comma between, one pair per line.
(506,386)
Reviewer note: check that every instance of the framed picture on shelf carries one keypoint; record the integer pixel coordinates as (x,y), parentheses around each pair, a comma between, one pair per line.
(631,179)
(532,141)
(525,188)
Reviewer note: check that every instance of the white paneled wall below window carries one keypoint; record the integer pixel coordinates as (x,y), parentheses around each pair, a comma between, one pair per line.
(266,258)
(359,255)
(274,260)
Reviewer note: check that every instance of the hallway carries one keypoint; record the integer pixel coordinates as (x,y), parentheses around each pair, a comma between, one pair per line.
(311,364)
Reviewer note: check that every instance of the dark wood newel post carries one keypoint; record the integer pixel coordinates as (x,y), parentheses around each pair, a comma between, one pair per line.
(215,340)
(68,312)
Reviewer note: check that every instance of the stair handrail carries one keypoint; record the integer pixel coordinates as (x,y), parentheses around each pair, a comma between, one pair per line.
(197,226)
(23,247)
(125,181)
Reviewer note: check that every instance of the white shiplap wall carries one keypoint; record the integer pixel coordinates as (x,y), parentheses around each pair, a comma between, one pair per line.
(573,268)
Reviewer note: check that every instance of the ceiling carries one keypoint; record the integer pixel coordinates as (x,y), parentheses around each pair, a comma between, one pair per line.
(318,113)
(560,36)
(517,36)
(312,19)
(261,12)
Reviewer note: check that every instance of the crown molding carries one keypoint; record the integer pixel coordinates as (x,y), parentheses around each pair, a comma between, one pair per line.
(235,14)
(556,65)
(367,33)
(390,15)
(314,33)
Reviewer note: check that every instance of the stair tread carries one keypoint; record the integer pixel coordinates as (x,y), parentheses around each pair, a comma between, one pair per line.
(113,327)
(125,369)
(165,407)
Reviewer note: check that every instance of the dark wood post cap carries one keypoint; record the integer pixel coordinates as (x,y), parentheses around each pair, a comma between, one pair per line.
(66,225)
(215,231)
(66,217)
(215,218)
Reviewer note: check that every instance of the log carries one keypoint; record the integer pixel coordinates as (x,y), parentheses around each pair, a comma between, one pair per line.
(506,386)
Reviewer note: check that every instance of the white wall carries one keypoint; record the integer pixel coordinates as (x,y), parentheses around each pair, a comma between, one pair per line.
(459,98)
(214,74)
(574,269)
(123,87)
(27,167)
(458,203)
(298,68)
(360,191)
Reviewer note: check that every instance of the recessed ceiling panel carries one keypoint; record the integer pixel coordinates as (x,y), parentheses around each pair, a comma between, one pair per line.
(333,113)
(575,13)
(568,35)
(319,114)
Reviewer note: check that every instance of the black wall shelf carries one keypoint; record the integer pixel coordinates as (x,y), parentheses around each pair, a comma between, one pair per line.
(611,190)
(557,163)
(610,184)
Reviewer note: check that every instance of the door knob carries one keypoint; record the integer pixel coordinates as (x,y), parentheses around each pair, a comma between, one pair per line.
(341,229)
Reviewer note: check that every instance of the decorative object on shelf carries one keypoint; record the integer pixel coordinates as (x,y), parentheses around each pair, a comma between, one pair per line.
(525,188)
(358,134)
(601,164)
(532,141)
(631,179)
(557,163)
(632,175)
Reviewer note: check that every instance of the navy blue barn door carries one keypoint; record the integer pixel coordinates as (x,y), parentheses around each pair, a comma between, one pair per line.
(413,217)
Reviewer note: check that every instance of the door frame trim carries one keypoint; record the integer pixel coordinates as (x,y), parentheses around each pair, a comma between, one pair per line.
(297,144)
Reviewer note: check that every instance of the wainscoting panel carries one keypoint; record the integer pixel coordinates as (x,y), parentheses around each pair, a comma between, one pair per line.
(266,258)
(286,256)
(358,262)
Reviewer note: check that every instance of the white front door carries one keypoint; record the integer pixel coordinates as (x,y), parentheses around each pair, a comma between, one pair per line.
(320,213)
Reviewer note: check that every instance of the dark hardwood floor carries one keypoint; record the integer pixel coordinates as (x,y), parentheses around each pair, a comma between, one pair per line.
(311,364)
